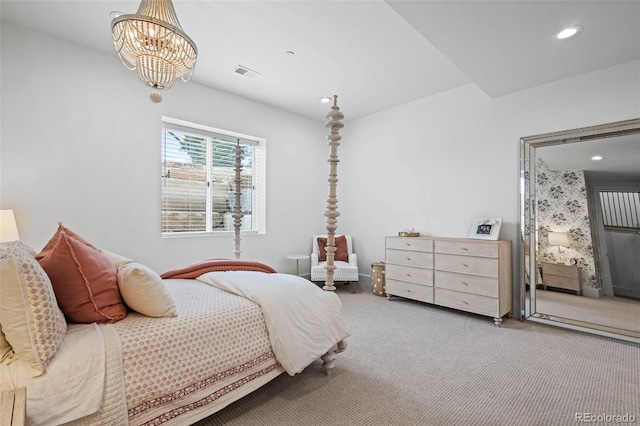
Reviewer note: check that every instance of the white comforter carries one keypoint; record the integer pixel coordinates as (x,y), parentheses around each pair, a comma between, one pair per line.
(303,321)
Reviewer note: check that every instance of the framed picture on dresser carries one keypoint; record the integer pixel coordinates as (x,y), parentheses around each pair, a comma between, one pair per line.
(485,228)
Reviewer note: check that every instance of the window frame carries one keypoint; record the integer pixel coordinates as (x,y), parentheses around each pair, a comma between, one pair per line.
(258,211)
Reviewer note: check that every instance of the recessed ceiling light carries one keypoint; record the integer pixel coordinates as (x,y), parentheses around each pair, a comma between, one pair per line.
(325,100)
(569,32)
(597,157)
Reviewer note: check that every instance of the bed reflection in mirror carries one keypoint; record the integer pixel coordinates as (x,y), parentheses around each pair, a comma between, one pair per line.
(580,229)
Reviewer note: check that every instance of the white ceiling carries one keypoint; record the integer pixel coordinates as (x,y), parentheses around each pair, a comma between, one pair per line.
(621,156)
(373,54)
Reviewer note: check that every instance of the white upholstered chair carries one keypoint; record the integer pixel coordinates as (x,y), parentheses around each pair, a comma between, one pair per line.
(346,271)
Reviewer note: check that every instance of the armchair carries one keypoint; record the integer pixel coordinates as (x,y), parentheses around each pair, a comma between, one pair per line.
(346,268)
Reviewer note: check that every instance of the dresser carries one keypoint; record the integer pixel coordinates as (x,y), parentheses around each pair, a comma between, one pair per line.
(409,268)
(465,274)
(566,277)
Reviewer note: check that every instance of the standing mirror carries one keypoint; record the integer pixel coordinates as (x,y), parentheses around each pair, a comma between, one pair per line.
(579,245)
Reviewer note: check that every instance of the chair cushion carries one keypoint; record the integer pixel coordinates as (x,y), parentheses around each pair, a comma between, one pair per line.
(343,272)
(341,253)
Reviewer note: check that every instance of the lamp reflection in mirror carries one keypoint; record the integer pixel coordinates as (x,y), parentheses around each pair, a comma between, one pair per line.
(559,239)
(8,228)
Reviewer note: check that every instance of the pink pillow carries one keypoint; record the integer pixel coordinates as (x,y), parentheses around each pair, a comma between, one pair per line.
(341,253)
(84,280)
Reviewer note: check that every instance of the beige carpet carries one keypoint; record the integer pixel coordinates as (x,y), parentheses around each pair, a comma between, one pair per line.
(410,363)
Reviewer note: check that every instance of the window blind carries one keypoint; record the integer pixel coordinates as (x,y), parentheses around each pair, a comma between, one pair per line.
(198,181)
(620,209)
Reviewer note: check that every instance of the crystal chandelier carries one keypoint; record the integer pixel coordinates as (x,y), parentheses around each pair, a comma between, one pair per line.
(153,43)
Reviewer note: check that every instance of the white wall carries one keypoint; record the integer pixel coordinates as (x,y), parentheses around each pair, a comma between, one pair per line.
(437,163)
(80,143)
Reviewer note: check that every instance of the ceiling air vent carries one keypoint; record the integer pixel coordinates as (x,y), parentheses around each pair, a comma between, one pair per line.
(244,71)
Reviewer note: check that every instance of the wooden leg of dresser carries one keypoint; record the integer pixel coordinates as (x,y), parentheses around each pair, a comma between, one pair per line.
(498,321)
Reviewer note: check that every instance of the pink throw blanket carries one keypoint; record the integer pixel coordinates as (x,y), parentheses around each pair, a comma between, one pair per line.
(212,265)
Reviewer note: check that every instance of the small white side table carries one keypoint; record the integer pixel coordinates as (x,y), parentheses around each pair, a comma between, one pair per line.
(298,258)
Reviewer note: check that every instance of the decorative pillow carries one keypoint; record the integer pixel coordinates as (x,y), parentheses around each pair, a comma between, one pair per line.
(116,259)
(84,280)
(31,321)
(143,291)
(53,241)
(16,245)
(341,249)
(141,288)
(5,347)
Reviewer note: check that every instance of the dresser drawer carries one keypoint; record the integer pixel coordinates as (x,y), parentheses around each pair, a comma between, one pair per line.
(475,303)
(470,248)
(419,292)
(560,270)
(409,258)
(483,266)
(485,286)
(562,282)
(410,243)
(409,274)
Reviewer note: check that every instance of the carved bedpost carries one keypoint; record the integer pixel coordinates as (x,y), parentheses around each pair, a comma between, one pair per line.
(335,124)
(237,207)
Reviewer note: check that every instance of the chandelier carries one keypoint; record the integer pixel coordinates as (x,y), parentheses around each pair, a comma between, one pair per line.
(152,43)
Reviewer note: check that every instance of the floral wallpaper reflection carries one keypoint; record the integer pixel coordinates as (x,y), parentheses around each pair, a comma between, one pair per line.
(563,207)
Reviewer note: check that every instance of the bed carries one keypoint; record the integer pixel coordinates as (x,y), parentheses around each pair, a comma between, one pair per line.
(232,326)
(100,339)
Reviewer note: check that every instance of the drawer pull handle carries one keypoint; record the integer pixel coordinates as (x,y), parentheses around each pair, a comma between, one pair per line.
(465,249)
(408,258)
(466,303)
(408,275)
(465,283)
(465,265)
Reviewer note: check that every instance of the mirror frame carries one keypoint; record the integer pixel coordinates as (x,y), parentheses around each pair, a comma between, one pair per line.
(527,218)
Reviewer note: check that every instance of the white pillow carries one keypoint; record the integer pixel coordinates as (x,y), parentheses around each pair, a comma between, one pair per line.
(5,348)
(116,259)
(32,323)
(143,291)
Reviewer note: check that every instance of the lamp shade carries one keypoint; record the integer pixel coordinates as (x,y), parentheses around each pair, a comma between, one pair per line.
(559,239)
(8,228)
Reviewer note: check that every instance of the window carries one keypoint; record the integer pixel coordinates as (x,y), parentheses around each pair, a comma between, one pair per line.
(620,209)
(198,180)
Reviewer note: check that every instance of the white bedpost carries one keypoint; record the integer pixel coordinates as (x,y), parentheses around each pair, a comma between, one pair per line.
(335,124)
(237,207)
